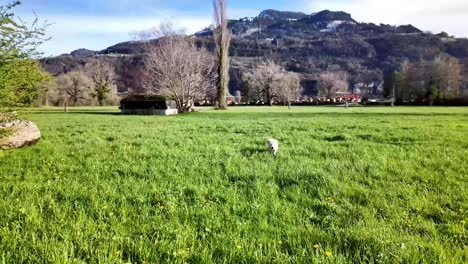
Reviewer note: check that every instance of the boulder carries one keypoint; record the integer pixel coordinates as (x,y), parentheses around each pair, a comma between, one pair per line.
(25,133)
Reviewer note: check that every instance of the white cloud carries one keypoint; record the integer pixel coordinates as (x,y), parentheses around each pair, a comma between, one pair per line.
(64,24)
(236,13)
(433,15)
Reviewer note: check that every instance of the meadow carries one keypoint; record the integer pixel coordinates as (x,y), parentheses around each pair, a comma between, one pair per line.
(358,185)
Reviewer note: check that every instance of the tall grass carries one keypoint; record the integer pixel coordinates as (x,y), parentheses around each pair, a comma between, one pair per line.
(366,185)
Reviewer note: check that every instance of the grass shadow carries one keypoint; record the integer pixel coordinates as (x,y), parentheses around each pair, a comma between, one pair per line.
(75,112)
(251,151)
(282,115)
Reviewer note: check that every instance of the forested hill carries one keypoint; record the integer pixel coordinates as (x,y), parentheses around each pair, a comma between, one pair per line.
(303,43)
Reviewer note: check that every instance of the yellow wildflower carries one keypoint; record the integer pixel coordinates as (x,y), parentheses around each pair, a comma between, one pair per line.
(316,246)
(462,222)
(280,242)
(328,253)
(239,247)
(461,210)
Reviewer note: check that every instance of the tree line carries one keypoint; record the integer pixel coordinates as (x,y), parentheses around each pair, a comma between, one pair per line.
(433,82)
(92,84)
(178,66)
(23,81)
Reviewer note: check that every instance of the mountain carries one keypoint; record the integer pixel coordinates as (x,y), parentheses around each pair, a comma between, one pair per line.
(83,53)
(276,15)
(305,43)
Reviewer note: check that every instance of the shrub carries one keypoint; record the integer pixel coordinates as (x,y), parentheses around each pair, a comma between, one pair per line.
(7,117)
(4,132)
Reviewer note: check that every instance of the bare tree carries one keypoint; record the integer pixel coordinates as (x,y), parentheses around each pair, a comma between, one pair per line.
(222,39)
(265,80)
(454,76)
(175,67)
(446,73)
(331,83)
(435,81)
(73,87)
(290,88)
(102,76)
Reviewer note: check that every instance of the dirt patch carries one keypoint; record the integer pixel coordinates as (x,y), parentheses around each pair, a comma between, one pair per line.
(25,133)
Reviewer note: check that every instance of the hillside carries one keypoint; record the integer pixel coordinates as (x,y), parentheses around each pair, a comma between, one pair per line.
(303,43)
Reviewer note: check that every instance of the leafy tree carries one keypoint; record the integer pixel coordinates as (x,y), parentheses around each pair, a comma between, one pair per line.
(101,76)
(19,82)
(20,76)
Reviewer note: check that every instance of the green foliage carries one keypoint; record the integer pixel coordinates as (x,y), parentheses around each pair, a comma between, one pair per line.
(102,80)
(20,82)
(101,92)
(396,77)
(17,39)
(5,132)
(431,93)
(367,185)
(19,75)
(392,85)
(7,116)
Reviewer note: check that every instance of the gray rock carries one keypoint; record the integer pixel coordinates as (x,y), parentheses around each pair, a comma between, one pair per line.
(25,134)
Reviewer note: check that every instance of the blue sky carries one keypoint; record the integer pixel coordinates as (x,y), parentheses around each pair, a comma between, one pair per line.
(97,24)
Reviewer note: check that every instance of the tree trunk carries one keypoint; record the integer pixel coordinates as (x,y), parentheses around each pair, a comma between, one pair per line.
(438,92)
(270,102)
(222,40)
(223,77)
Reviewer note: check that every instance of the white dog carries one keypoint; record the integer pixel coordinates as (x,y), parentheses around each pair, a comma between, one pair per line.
(273,146)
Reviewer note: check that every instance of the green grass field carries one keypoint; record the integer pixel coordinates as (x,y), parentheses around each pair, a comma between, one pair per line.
(358,185)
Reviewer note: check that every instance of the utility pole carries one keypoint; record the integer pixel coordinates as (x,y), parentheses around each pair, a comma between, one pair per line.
(346,100)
